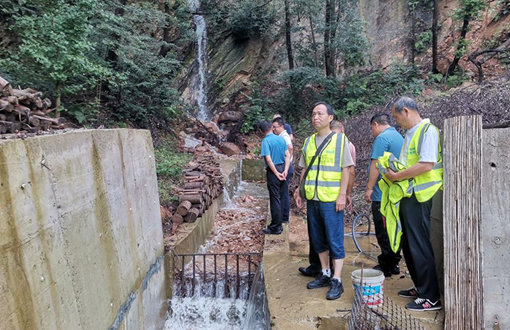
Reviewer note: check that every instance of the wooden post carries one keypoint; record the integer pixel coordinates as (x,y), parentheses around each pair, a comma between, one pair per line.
(495,228)
(462,160)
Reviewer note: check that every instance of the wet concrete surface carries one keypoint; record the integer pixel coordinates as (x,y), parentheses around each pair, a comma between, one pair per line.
(292,306)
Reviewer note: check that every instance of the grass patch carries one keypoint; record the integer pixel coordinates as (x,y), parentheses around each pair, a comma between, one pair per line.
(169,167)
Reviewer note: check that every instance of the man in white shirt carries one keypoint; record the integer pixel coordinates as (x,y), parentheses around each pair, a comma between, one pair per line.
(421,154)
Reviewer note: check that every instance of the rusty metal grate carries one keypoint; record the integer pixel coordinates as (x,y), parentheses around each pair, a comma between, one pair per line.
(216,275)
(384,316)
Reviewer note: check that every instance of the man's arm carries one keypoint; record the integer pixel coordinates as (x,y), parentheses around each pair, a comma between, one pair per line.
(291,148)
(271,166)
(341,199)
(297,198)
(287,165)
(411,172)
(372,181)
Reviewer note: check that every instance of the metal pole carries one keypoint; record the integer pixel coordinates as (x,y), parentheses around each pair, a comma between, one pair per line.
(193,281)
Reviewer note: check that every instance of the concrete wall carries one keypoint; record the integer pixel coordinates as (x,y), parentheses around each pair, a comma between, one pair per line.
(81,240)
(254,170)
(495,228)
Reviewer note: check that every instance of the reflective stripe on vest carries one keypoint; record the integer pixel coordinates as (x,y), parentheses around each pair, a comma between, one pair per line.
(325,175)
(426,184)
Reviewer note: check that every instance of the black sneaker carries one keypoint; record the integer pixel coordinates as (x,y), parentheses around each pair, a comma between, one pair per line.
(424,305)
(309,271)
(336,289)
(269,231)
(395,270)
(410,293)
(387,273)
(320,281)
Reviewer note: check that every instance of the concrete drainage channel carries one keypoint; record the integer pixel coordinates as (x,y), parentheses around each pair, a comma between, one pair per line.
(214,290)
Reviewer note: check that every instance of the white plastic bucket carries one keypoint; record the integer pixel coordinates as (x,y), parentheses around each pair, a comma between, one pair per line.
(372,287)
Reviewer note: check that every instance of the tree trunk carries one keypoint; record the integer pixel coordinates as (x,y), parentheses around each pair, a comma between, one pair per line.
(58,99)
(435,17)
(460,48)
(288,36)
(314,43)
(327,39)
(412,11)
(166,31)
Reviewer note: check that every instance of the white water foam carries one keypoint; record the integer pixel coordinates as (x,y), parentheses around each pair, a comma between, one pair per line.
(206,314)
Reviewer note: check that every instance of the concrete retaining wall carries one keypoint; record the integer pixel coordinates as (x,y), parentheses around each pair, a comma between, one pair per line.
(81,240)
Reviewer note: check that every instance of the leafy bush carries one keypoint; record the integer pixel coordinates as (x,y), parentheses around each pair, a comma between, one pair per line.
(258,109)
(352,95)
(423,41)
(250,18)
(170,163)
(169,167)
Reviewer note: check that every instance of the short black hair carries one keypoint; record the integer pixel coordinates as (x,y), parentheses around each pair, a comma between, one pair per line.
(328,106)
(381,118)
(279,120)
(265,126)
(405,102)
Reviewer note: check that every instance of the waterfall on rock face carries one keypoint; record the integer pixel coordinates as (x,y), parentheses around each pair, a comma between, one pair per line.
(200,81)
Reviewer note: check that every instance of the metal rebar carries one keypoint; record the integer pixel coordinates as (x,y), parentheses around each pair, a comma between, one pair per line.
(226,277)
(249,271)
(193,280)
(237,278)
(215,276)
(204,280)
(182,277)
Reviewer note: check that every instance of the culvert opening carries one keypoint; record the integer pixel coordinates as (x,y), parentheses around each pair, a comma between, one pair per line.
(218,291)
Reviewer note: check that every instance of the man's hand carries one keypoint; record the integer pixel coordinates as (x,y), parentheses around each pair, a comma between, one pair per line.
(281,176)
(392,176)
(368,195)
(297,198)
(340,202)
(284,173)
(349,206)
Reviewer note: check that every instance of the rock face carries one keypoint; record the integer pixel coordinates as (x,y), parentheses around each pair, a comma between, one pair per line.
(230,116)
(229,149)
(387,30)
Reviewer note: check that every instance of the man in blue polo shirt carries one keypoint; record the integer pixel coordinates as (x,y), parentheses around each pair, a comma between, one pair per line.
(277,158)
(386,139)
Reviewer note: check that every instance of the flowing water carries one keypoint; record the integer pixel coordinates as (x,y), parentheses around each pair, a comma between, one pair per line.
(200,81)
(197,310)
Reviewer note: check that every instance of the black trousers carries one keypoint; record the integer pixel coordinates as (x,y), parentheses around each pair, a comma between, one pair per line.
(286,203)
(387,259)
(277,190)
(418,253)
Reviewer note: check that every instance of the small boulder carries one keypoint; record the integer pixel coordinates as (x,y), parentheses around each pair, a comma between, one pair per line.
(229,149)
(230,116)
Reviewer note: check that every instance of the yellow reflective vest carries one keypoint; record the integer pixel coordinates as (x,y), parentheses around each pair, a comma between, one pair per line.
(427,184)
(325,173)
(424,186)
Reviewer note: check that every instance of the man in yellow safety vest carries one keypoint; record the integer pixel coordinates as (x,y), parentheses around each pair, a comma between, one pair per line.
(327,160)
(421,155)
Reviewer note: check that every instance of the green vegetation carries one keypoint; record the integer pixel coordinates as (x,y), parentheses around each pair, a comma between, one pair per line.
(97,57)
(258,109)
(350,95)
(169,168)
(248,19)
